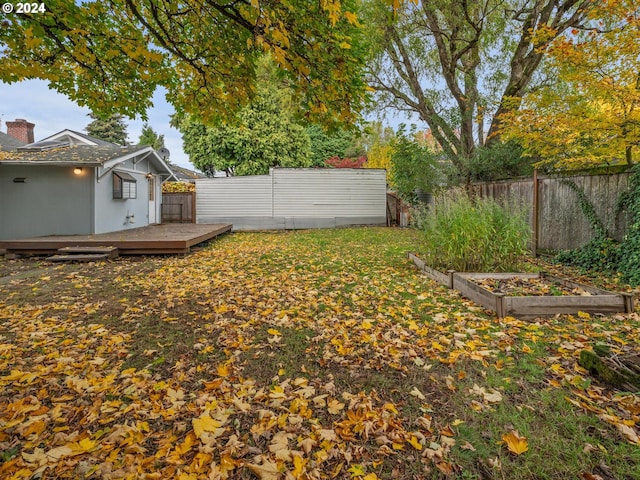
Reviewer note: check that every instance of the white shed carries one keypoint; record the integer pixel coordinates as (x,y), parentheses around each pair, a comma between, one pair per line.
(294,198)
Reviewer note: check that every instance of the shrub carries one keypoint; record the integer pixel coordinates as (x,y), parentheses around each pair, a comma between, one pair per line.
(413,166)
(337,162)
(465,234)
(178,187)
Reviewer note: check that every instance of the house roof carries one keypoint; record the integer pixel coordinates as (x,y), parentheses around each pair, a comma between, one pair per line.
(7,142)
(85,155)
(69,155)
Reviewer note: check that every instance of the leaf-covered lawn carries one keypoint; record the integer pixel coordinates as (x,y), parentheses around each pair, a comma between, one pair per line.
(297,355)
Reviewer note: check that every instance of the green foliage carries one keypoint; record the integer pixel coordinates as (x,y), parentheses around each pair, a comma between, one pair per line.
(150,137)
(474,235)
(112,56)
(263,135)
(327,145)
(413,166)
(110,129)
(602,252)
(629,263)
(499,161)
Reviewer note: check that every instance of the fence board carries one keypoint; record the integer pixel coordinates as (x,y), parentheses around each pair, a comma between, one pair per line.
(561,223)
(178,207)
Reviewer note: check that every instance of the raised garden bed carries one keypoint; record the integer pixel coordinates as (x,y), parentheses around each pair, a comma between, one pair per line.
(531,294)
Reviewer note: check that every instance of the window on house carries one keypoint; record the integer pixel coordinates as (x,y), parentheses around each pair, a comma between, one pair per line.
(124,185)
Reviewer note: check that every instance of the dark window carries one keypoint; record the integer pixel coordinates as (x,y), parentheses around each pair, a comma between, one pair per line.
(124,185)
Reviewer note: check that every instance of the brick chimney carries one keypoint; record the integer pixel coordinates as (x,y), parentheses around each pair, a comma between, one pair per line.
(21,130)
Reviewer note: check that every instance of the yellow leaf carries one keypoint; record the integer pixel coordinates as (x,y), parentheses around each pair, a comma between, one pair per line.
(628,432)
(584,315)
(87,444)
(55,454)
(351,17)
(36,427)
(417,393)
(267,471)
(273,331)
(415,443)
(334,406)
(356,470)
(298,466)
(515,443)
(204,424)
(38,457)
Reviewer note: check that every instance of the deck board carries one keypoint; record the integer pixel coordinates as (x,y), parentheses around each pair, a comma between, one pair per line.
(152,239)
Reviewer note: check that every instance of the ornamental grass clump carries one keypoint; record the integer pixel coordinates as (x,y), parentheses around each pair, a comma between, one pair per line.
(475,235)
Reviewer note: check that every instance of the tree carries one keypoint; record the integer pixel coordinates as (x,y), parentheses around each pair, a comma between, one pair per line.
(414,165)
(110,129)
(459,65)
(591,115)
(326,145)
(112,55)
(263,135)
(150,137)
(379,148)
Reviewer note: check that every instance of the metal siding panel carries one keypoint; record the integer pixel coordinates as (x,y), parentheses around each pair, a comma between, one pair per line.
(234,196)
(329,193)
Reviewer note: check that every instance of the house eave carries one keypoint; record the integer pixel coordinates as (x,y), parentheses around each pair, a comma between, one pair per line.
(51,164)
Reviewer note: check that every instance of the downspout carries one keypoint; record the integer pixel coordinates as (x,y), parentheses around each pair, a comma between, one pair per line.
(92,193)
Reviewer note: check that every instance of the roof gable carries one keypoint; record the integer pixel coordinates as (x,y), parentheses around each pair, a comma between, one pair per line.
(78,138)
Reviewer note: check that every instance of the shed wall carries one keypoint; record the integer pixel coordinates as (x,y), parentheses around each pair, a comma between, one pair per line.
(294,198)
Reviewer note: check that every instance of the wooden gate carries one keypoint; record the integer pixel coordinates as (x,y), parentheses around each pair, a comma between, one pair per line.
(179,207)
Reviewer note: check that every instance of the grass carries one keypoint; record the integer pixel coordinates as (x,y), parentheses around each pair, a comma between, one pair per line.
(474,235)
(295,335)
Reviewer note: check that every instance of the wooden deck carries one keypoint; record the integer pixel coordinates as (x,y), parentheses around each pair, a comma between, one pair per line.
(150,240)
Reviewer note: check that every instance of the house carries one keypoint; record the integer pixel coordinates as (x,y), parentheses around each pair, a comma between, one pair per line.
(71,183)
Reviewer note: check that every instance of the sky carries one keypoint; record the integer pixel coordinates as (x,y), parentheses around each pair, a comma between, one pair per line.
(52,112)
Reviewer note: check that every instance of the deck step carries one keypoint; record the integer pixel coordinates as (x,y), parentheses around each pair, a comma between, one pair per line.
(79,257)
(111,252)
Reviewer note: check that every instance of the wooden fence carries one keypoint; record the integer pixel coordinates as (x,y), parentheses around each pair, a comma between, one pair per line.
(179,207)
(555,216)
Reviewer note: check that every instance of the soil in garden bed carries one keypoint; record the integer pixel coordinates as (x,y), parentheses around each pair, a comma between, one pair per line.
(528,287)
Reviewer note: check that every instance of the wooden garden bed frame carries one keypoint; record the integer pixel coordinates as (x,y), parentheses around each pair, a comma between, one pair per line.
(600,301)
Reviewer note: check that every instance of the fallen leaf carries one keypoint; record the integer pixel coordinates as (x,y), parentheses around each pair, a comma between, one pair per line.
(515,443)
(267,471)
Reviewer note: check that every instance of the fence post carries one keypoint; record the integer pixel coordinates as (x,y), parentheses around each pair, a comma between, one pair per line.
(193,207)
(535,225)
